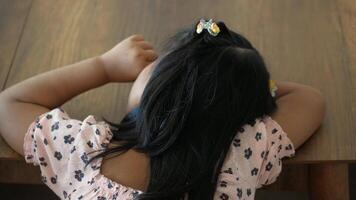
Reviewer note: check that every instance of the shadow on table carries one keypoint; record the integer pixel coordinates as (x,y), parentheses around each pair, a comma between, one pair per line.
(42,192)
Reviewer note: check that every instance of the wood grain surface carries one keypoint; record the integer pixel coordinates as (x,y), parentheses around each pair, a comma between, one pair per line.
(310,42)
(347,11)
(13,16)
(12,20)
(322,188)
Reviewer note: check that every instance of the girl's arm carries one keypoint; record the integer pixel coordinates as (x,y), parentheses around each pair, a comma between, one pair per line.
(21,103)
(301,110)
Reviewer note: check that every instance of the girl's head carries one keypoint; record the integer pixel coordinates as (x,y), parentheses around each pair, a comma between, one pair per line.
(187,106)
(228,40)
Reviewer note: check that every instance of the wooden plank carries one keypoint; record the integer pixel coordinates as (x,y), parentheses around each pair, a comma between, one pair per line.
(17,171)
(329,181)
(292,178)
(300,40)
(27,191)
(347,12)
(12,20)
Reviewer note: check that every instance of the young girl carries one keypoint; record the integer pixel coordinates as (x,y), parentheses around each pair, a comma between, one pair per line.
(203,121)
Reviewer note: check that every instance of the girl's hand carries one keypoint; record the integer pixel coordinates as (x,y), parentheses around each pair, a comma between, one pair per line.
(127,59)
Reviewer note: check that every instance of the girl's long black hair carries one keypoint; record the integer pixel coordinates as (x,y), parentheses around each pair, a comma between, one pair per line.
(200,94)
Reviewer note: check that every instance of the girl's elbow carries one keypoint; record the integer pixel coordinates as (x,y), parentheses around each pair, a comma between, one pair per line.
(320,100)
(318,103)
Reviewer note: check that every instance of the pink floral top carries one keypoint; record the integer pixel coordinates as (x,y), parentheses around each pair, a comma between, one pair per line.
(61,146)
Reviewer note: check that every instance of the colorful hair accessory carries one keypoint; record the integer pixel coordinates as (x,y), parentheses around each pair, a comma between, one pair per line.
(273,87)
(211,26)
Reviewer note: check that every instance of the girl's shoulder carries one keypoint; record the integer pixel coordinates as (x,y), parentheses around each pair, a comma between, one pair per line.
(254,158)
(62,147)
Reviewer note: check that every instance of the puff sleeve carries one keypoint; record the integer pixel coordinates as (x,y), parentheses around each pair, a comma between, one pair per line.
(278,147)
(62,146)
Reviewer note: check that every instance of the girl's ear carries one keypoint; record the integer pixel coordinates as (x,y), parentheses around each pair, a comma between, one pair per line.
(139,86)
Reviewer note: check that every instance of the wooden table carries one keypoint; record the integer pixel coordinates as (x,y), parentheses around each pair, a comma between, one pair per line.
(308,41)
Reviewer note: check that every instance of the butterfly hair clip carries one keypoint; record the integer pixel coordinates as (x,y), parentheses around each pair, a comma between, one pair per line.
(273,87)
(211,26)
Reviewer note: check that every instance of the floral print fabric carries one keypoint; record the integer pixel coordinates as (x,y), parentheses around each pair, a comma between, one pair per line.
(254,159)
(62,146)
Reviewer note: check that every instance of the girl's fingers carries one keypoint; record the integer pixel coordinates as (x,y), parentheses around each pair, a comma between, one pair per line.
(150,55)
(136,37)
(145,45)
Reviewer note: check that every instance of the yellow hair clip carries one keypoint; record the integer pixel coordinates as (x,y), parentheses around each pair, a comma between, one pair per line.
(273,87)
(211,26)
